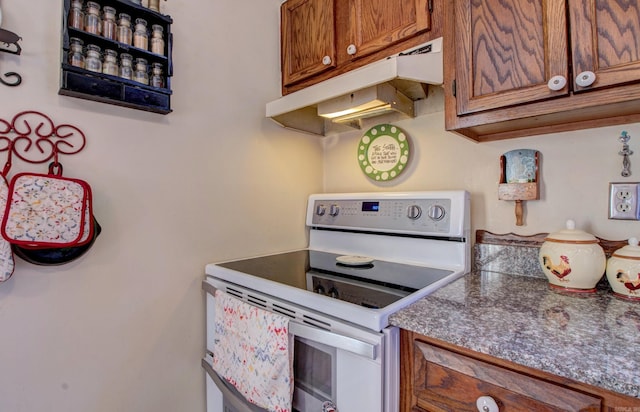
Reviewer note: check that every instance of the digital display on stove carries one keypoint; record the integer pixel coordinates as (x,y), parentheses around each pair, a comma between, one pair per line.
(370,206)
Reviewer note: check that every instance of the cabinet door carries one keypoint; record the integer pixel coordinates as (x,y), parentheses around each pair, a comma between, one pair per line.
(376,24)
(605,37)
(507,51)
(308,38)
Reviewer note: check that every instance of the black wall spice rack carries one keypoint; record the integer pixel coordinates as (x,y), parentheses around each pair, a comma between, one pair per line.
(85,84)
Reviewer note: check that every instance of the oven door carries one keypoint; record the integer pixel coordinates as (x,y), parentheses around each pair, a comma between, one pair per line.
(346,370)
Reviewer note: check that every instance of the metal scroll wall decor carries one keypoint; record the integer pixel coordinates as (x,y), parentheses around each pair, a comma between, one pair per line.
(9,44)
(33,137)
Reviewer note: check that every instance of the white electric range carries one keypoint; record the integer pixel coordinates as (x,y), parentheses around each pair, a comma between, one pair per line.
(369,255)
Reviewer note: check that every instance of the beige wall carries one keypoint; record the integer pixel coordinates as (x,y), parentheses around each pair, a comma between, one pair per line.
(122,329)
(576,169)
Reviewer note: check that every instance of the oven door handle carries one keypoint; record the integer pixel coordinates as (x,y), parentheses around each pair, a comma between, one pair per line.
(335,340)
(231,397)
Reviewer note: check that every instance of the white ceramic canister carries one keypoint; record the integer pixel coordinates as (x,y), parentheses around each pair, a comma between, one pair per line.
(572,260)
(623,271)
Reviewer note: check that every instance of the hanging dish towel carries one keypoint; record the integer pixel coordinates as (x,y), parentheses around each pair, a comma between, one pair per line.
(254,352)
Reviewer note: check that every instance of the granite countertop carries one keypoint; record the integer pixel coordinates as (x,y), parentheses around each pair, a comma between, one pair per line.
(590,338)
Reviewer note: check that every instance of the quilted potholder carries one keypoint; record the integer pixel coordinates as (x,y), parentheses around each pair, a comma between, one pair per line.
(6,253)
(46,211)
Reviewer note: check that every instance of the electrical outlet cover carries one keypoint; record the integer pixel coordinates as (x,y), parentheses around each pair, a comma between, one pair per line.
(623,201)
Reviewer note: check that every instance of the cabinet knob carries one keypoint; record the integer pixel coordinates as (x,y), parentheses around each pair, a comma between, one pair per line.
(326,60)
(585,78)
(557,83)
(351,49)
(487,404)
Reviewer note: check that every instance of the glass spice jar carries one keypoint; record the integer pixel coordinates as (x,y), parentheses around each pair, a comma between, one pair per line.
(126,66)
(92,18)
(154,5)
(140,35)
(124,29)
(76,15)
(140,73)
(157,78)
(93,61)
(109,25)
(76,58)
(110,64)
(157,39)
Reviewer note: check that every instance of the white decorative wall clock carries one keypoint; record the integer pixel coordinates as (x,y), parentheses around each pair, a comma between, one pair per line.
(383,152)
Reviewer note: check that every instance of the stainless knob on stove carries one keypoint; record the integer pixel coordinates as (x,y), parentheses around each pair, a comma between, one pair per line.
(319,290)
(436,212)
(414,212)
(334,210)
(320,210)
(333,293)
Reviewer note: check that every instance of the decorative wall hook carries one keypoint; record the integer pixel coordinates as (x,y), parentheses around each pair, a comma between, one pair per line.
(625,153)
(8,40)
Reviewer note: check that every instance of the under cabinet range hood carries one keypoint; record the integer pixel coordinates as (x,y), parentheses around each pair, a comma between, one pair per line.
(380,88)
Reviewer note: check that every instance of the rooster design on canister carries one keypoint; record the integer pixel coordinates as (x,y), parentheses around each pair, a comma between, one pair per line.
(560,270)
(632,285)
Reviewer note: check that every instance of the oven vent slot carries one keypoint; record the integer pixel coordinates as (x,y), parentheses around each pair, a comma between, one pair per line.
(257,301)
(235,292)
(283,311)
(251,299)
(316,322)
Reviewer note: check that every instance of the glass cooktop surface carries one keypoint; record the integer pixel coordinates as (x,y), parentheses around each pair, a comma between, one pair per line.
(366,282)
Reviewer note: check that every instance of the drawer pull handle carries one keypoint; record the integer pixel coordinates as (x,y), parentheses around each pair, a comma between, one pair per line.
(487,404)
(326,60)
(351,49)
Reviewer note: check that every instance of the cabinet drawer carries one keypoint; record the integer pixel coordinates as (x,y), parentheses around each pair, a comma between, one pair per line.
(447,381)
(86,84)
(101,88)
(147,98)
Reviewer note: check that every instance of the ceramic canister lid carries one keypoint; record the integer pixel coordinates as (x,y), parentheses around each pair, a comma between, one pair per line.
(571,235)
(632,250)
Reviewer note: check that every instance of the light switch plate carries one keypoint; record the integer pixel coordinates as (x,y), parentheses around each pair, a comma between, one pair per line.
(623,201)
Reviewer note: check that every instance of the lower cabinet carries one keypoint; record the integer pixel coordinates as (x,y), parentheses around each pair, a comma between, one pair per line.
(437,376)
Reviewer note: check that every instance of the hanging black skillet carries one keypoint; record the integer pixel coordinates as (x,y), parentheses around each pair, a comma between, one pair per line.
(56,256)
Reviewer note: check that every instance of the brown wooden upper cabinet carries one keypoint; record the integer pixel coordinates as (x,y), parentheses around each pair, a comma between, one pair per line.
(308,38)
(324,38)
(376,24)
(528,67)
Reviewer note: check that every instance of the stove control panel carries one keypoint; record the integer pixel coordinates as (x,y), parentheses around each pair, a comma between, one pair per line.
(422,215)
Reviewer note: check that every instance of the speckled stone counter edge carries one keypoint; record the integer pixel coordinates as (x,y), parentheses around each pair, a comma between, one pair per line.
(518,261)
